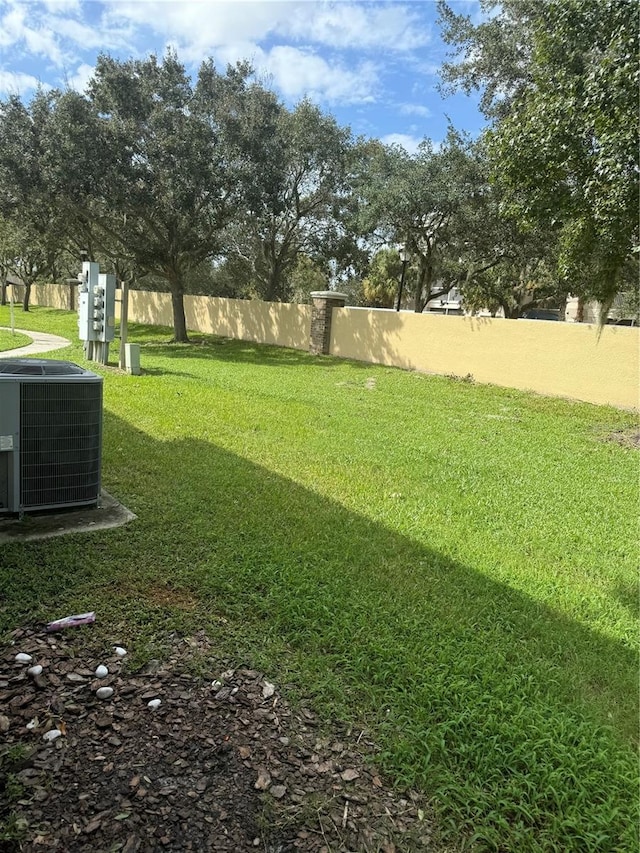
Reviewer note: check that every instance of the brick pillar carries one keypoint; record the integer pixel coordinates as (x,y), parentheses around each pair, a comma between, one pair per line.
(323,302)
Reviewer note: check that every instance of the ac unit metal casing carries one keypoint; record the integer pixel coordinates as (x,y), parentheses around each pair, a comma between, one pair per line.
(50,435)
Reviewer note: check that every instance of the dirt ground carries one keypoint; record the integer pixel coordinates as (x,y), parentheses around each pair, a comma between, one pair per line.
(222,764)
(627,438)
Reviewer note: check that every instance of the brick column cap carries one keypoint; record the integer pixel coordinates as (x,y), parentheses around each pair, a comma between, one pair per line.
(328,294)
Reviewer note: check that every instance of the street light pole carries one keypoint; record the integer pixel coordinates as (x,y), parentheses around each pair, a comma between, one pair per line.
(404,257)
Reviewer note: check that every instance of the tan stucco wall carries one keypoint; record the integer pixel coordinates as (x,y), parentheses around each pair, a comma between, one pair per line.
(559,359)
(50,295)
(276,323)
(146,306)
(282,324)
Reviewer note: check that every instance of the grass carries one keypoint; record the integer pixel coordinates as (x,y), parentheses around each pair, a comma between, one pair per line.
(12,760)
(12,341)
(451,565)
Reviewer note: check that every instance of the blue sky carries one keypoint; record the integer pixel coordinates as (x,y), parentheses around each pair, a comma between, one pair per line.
(374,65)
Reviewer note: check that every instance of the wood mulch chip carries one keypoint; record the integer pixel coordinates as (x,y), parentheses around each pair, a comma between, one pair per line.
(224,763)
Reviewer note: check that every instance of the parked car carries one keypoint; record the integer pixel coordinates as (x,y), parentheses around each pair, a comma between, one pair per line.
(541,314)
(625,321)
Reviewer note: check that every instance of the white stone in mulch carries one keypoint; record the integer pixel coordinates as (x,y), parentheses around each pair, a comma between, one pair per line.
(51,735)
(268,689)
(104,692)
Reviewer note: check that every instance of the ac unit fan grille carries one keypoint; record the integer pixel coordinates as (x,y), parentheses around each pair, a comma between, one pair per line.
(60,432)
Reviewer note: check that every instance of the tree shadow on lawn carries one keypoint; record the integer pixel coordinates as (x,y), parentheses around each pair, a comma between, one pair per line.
(478,692)
(228,350)
(159,371)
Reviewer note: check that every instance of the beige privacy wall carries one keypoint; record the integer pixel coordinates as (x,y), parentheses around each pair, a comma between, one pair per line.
(559,359)
(52,295)
(280,323)
(276,323)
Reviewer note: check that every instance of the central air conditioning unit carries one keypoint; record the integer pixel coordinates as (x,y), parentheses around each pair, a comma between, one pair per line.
(50,435)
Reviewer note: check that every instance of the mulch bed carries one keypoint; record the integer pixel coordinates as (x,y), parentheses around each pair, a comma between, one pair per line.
(224,763)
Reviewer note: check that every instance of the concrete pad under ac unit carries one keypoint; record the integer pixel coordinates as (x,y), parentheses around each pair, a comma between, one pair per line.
(45,525)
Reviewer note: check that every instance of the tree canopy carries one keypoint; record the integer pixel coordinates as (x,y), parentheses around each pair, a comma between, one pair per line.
(295,212)
(214,184)
(560,83)
(34,231)
(179,160)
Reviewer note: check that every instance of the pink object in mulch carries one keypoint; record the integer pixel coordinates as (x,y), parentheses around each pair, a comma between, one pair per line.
(72,621)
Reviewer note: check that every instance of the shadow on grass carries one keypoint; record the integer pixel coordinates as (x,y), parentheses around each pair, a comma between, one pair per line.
(159,371)
(491,701)
(140,333)
(227,350)
(629,597)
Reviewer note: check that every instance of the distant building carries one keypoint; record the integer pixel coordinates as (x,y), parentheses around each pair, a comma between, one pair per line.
(449,303)
(591,312)
(452,303)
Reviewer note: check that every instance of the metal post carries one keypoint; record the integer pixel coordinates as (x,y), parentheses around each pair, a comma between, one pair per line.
(124,319)
(11,312)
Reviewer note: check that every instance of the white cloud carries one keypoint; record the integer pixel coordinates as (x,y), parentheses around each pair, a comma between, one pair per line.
(415,109)
(336,52)
(298,73)
(356,25)
(85,36)
(42,43)
(79,80)
(17,83)
(11,27)
(237,51)
(199,27)
(404,140)
(38,40)
(425,67)
(231,31)
(62,5)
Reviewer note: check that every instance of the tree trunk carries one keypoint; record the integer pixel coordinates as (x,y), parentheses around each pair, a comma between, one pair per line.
(511,312)
(423,289)
(274,281)
(3,290)
(580,310)
(176,285)
(179,320)
(27,294)
(563,307)
(418,304)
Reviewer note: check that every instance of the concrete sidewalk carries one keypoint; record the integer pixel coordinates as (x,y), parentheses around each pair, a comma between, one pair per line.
(41,342)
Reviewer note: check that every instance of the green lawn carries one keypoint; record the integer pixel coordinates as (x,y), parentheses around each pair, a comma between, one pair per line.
(12,341)
(452,565)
